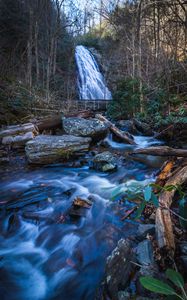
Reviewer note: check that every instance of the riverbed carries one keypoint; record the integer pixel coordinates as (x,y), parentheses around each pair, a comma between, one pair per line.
(47,253)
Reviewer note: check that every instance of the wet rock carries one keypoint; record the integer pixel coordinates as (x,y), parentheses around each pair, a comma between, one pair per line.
(93,128)
(128,125)
(143,127)
(183,248)
(118,268)
(123,295)
(46,149)
(184,261)
(80,207)
(3,156)
(105,162)
(144,252)
(144,229)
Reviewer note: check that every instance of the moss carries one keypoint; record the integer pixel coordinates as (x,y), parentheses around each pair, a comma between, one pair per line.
(65,153)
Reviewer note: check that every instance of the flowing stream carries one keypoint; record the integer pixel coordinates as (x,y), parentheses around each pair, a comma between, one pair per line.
(46,254)
(91,83)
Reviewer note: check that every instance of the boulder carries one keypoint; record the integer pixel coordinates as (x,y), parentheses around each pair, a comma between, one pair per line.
(105,162)
(144,229)
(119,268)
(93,128)
(128,125)
(46,149)
(144,252)
(143,127)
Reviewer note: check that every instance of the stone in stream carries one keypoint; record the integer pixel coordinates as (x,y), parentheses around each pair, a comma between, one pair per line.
(80,207)
(128,125)
(144,229)
(105,162)
(144,252)
(119,268)
(93,128)
(47,149)
(3,156)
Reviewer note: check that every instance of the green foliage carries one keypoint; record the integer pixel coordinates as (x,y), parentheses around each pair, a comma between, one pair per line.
(89,40)
(164,108)
(175,277)
(126,99)
(147,195)
(159,287)
(156,286)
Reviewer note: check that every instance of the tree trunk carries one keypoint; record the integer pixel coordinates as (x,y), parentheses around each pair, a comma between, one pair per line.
(164,227)
(161,151)
(124,136)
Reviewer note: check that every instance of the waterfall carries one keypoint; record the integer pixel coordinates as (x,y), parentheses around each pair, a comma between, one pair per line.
(91,83)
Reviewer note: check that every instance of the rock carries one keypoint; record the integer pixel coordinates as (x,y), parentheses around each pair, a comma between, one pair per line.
(80,207)
(4,158)
(184,262)
(143,127)
(144,252)
(144,229)
(183,248)
(118,268)
(123,295)
(105,162)
(46,149)
(93,128)
(128,125)
(108,167)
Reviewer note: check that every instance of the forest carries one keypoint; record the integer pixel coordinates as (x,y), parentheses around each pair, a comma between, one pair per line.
(93,149)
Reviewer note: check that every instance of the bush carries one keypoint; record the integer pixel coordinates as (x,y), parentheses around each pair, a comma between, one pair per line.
(126,99)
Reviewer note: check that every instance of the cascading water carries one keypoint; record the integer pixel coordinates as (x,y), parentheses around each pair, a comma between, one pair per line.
(46,257)
(91,82)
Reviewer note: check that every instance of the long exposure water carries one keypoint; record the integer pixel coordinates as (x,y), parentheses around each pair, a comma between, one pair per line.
(45,253)
(91,82)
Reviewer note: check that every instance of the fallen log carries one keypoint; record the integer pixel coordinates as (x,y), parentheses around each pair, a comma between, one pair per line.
(161,151)
(164,228)
(19,140)
(159,134)
(18,129)
(143,127)
(81,114)
(123,136)
(49,123)
(55,121)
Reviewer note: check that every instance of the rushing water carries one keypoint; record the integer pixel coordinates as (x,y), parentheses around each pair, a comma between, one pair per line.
(91,82)
(46,256)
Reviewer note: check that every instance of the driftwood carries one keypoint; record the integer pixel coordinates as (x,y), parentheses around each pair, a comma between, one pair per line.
(55,121)
(159,134)
(123,136)
(164,230)
(161,151)
(18,129)
(49,123)
(81,114)
(18,139)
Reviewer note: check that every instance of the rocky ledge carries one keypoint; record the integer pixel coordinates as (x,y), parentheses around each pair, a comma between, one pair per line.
(46,149)
(93,128)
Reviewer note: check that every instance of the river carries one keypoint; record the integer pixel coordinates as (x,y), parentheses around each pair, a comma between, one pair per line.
(47,254)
